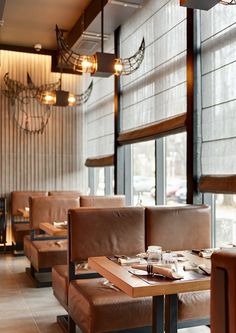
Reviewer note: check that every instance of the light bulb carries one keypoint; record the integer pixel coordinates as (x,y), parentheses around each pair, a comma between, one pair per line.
(71,100)
(118,67)
(88,64)
(48,97)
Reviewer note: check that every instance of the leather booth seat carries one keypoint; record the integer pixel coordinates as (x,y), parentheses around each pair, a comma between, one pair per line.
(20,226)
(102,201)
(74,194)
(44,253)
(98,308)
(223,291)
(93,306)
(89,302)
(182,228)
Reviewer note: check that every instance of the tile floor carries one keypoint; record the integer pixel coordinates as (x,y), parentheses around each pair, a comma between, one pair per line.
(27,309)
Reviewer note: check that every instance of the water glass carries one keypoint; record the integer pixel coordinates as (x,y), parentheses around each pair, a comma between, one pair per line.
(154,253)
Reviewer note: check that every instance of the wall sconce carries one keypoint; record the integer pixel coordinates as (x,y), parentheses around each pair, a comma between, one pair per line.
(29,116)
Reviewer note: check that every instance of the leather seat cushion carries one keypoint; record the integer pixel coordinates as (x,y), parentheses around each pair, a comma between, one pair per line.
(98,308)
(48,253)
(60,281)
(20,230)
(194,305)
(27,246)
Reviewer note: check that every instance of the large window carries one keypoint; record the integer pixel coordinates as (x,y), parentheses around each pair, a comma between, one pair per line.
(224,218)
(143,162)
(101,181)
(175,168)
(161,162)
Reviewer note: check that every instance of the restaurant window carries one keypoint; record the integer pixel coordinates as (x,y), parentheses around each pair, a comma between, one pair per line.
(162,162)
(101,181)
(218,155)
(223,218)
(175,180)
(143,175)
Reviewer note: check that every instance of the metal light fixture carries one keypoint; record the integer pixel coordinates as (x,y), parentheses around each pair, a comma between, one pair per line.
(59,97)
(31,104)
(100,64)
(199,4)
(125,3)
(205,4)
(228,2)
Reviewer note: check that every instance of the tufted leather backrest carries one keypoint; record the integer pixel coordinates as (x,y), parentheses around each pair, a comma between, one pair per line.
(20,200)
(102,201)
(50,209)
(178,228)
(105,231)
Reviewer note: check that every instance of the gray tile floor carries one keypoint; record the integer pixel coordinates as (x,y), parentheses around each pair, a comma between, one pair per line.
(27,309)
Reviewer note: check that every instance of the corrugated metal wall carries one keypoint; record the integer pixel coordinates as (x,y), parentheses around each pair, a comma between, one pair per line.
(54,159)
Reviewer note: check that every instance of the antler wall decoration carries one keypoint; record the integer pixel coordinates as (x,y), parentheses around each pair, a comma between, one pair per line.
(90,63)
(228,2)
(29,108)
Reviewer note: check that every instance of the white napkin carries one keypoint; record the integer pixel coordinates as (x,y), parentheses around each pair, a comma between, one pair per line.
(156,269)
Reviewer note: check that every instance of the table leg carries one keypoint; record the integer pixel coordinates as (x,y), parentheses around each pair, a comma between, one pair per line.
(158,314)
(171,313)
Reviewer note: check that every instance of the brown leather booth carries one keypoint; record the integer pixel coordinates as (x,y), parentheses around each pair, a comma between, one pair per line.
(66,194)
(43,251)
(92,305)
(182,228)
(20,225)
(223,291)
(93,232)
(102,201)
(44,254)
(60,272)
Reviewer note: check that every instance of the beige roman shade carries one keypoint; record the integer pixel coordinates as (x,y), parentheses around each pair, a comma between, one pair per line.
(218,54)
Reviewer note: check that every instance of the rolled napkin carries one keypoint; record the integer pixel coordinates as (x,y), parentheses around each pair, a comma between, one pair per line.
(156,269)
(62,225)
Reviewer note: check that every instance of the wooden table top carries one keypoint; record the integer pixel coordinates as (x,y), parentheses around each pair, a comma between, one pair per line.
(23,212)
(135,286)
(51,230)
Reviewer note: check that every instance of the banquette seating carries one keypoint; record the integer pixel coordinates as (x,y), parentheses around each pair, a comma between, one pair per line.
(92,305)
(43,251)
(66,194)
(223,291)
(20,224)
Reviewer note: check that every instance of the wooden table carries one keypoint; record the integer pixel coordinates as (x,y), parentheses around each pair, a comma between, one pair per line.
(135,286)
(23,212)
(51,230)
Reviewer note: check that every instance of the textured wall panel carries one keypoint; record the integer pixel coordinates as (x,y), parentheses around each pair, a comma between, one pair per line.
(51,160)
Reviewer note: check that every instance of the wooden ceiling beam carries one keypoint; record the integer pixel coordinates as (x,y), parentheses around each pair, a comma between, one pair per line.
(90,13)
